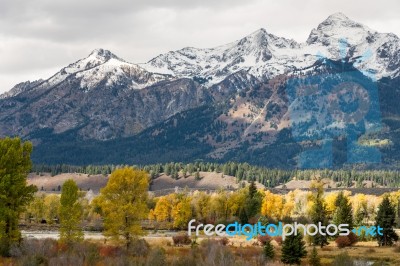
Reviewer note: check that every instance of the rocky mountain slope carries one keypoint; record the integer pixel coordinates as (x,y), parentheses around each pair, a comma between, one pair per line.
(225,103)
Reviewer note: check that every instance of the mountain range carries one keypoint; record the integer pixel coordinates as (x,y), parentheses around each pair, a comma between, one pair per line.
(224,103)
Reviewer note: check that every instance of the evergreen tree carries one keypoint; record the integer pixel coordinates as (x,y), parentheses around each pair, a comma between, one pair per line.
(253,202)
(268,250)
(70,213)
(226,169)
(15,195)
(243,215)
(344,211)
(252,189)
(319,215)
(293,249)
(314,258)
(197,175)
(386,220)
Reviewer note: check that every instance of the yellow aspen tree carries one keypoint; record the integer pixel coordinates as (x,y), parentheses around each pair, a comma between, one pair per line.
(123,204)
(182,212)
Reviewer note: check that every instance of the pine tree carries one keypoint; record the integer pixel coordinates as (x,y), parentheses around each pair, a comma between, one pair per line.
(252,189)
(344,211)
(293,249)
(197,175)
(252,204)
(386,220)
(314,258)
(319,215)
(243,215)
(268,250)
(70,213)
(15,195)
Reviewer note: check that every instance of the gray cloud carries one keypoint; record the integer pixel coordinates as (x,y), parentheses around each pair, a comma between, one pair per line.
(38,37)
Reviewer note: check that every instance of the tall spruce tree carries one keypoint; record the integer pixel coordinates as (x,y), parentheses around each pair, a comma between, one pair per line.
(268,250)
(319,215)
(344,212)
(252,204)
(314,258)
(252,189)
(15,194)
(293,249)
(386,219)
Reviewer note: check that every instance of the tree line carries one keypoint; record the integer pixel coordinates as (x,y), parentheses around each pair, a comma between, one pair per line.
(242,171)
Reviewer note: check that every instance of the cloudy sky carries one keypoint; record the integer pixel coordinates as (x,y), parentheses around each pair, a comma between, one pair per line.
(38,37)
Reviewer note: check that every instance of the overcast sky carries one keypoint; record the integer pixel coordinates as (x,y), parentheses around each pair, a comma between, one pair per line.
(39,37)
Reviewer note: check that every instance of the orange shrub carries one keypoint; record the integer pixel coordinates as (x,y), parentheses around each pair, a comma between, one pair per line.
(182,239)
(108,251)
(343,241)
(263,239)
(353,238)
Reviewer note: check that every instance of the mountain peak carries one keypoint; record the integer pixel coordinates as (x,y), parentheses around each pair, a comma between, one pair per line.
(336,27)
(338,21)
(102,54)
(259,37)
(339,16)
(260,31)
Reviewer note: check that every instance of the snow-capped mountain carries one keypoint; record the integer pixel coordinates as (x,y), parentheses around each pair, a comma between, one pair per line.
(261,54)
(222,103)
(101,67)
(265,55)
(255,53)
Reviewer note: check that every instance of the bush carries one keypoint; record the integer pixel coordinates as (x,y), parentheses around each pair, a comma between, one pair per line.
(181,239)
(184,261)
(156,257)
(108,251)
(35,248)
(194,257)
(139,248)
(343,259)
(35,260)
(353,238)
(343,241)
(262,240)
(88,251)
(216,254)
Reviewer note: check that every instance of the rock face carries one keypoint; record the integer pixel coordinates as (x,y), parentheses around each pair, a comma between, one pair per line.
(223,103)
(101,95)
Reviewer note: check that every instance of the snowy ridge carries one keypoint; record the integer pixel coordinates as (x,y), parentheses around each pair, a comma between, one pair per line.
(265,55)
(252,53)
(101,66)
(117,72)
(20,88)
(261,54)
